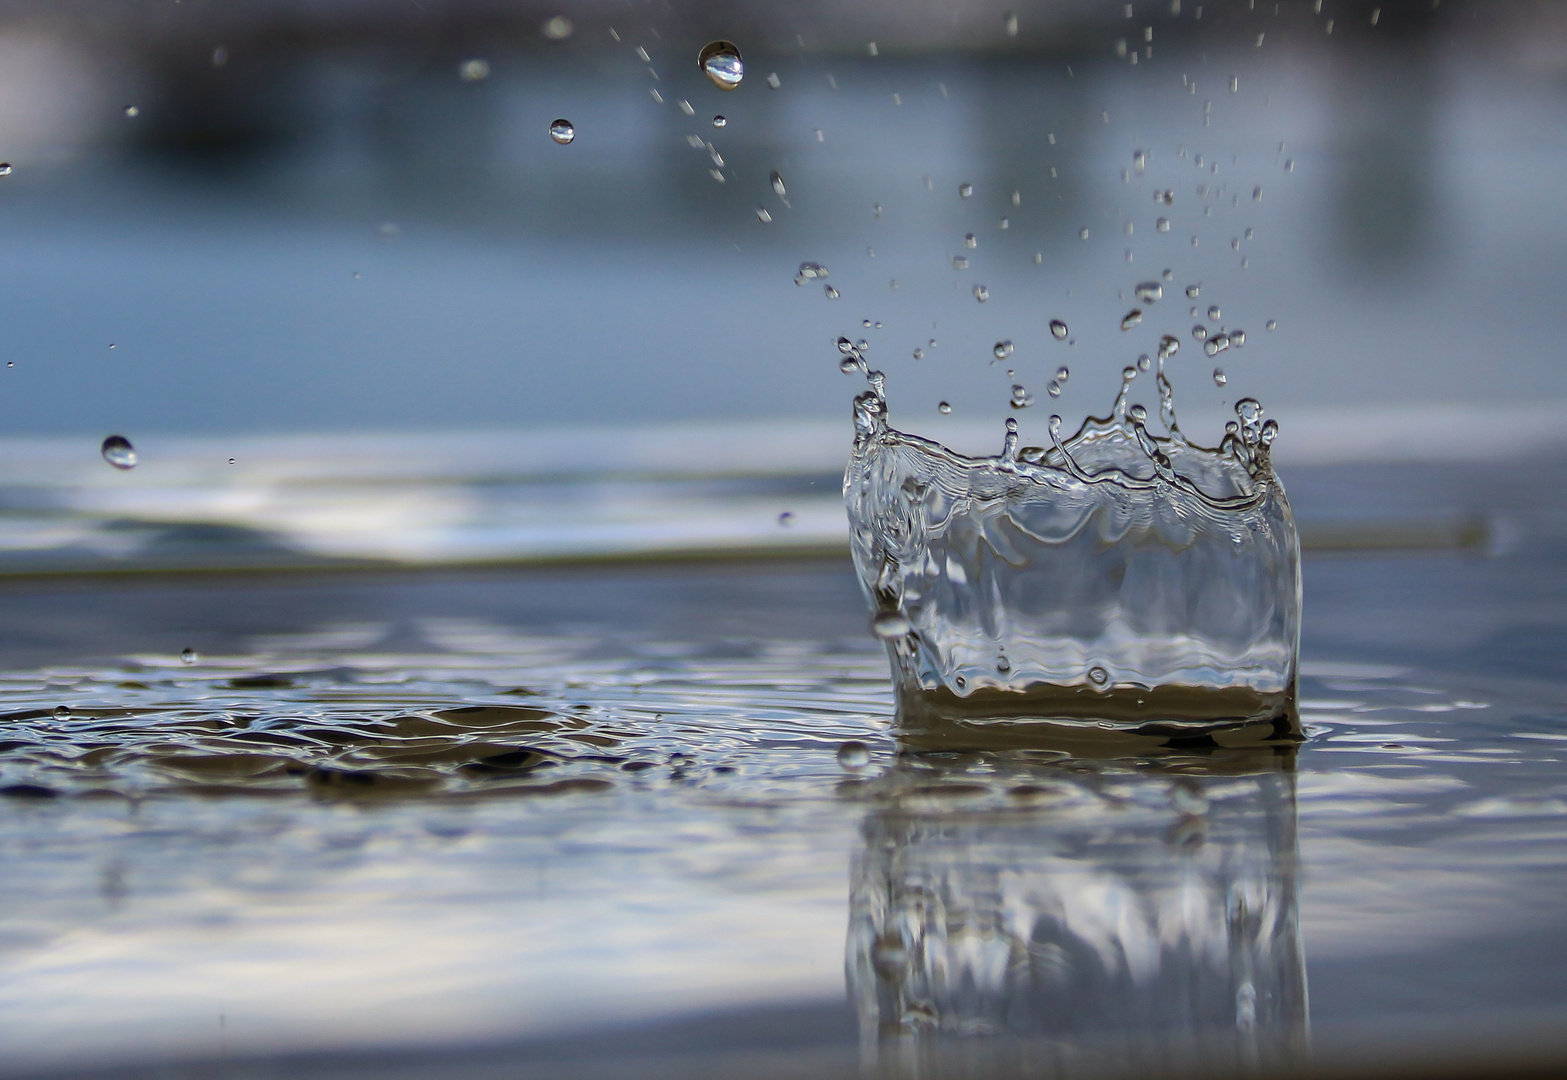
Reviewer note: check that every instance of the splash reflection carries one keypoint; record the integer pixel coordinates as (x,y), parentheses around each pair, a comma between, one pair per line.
(1094,916)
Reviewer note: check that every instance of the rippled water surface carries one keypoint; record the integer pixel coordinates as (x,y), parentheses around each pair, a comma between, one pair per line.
(568,815)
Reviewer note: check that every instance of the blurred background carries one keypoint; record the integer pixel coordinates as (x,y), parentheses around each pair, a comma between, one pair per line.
(323,265)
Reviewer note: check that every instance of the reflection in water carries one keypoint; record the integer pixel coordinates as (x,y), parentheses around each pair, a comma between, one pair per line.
(1096,915)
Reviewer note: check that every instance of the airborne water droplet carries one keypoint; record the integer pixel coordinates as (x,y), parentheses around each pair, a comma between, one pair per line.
(1192,291)
(1058,329)
(188,656)
(562,131)
(1271,324)
(786,518)
(1199,332)
(132,111)
(1219,378)
(1053,389)
(1237,338)
(981,293)
(1213,311)
(943,408)
(831,293)
(1062,374)
(719,121)
(720,62)
(965,190)
(778,184)
(773,82)
(1131,319)
(1082,234)
(118,451)
(809,271)
(960,262)
(919,354)
(1138,413)
(890,624)
(762,215)
(1139,161)
(5,168)
(1149,292)
(1162,225)
(1002,350)
(1021,398)
(854,755)
(970,241)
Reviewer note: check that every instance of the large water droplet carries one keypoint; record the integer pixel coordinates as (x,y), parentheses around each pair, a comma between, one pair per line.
(809,271)
(943,408)
(720,62)
(890,624)
(1219,378)
(981,293)
(1149,292)
(919,354)
(778,184)
(5,168)
(1058,329)
(562,131)
(854,755)
(1131,319)
(118,451)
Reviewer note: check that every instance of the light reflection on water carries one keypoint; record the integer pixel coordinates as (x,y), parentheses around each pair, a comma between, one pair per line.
(504,833)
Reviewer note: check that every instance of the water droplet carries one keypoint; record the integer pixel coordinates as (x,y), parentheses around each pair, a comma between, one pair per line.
(719,121)
(1237,338)
(786,518)
(965,190)
(1006,223)
(1235,83)
(132,111)
(685,107)
(231,461)
(188,656)
(220,56)
(853,755)
(558,29)
(562,131)
(890,624)
(1143,363)
(1003,665)
(809,271)
(1003,349)
(1098,676)
(970,241)
(778,184)
(5,168)
(1082,234)
(1062,374)
(862,345)
(720,62)
(1271,324)
(1149,292)
(1289,164)
(773,82)
(1213,311)
(61,712)
(819,136)
(1009,23)
(830,292)
(981,293)
(866,323)
(118,451)
(1138,413)
(1162,225)
(1219,378)
(1199,332)
(848,365)
(1053,389)
(1131,319)
(1192,291)
(1058,329)
(474,70)
(1139,161)
(960,262)
(943,408)
(762,215)
(919,354)
(1021,398)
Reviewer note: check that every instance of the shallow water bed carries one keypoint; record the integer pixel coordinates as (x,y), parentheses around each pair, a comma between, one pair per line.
(557,819)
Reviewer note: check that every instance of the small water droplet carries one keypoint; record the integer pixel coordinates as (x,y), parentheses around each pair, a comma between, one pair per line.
(786,518)
(1149,292)
(562,131)
(1271,324)
(970,241)
(132,111)
(61,712)
(1199,332)
(778,184)
(773,81)
(890,624)
(1219,378)
(919,354)
(1235,83)
(720,62)
(118,451)
(1082,234)
(1162,225)
(558,29)
(1053,389)
(981,293)
(943,408)
(1131,319)
(1192,291)
(5,168)
(1289,164)
(960,262)
(685,107)
(1143,363)
(1213,311)
(809,271)
(1002,350)
(1098,676)
(231,461)
(848,365)
(474,70)
(1237,338)
(1021,398)
(854,755)
(189,656)
(1062,374)
(762,215)
(719,121)
(1058,329)
(1009,23)
(830,292)
(965,190)
(1006,223)
(1003,665)
(1139,161)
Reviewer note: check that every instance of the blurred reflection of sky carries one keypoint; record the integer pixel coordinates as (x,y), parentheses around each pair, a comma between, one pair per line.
(1410,256)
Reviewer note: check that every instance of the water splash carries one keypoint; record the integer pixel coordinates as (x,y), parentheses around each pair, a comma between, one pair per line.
(1140,586)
